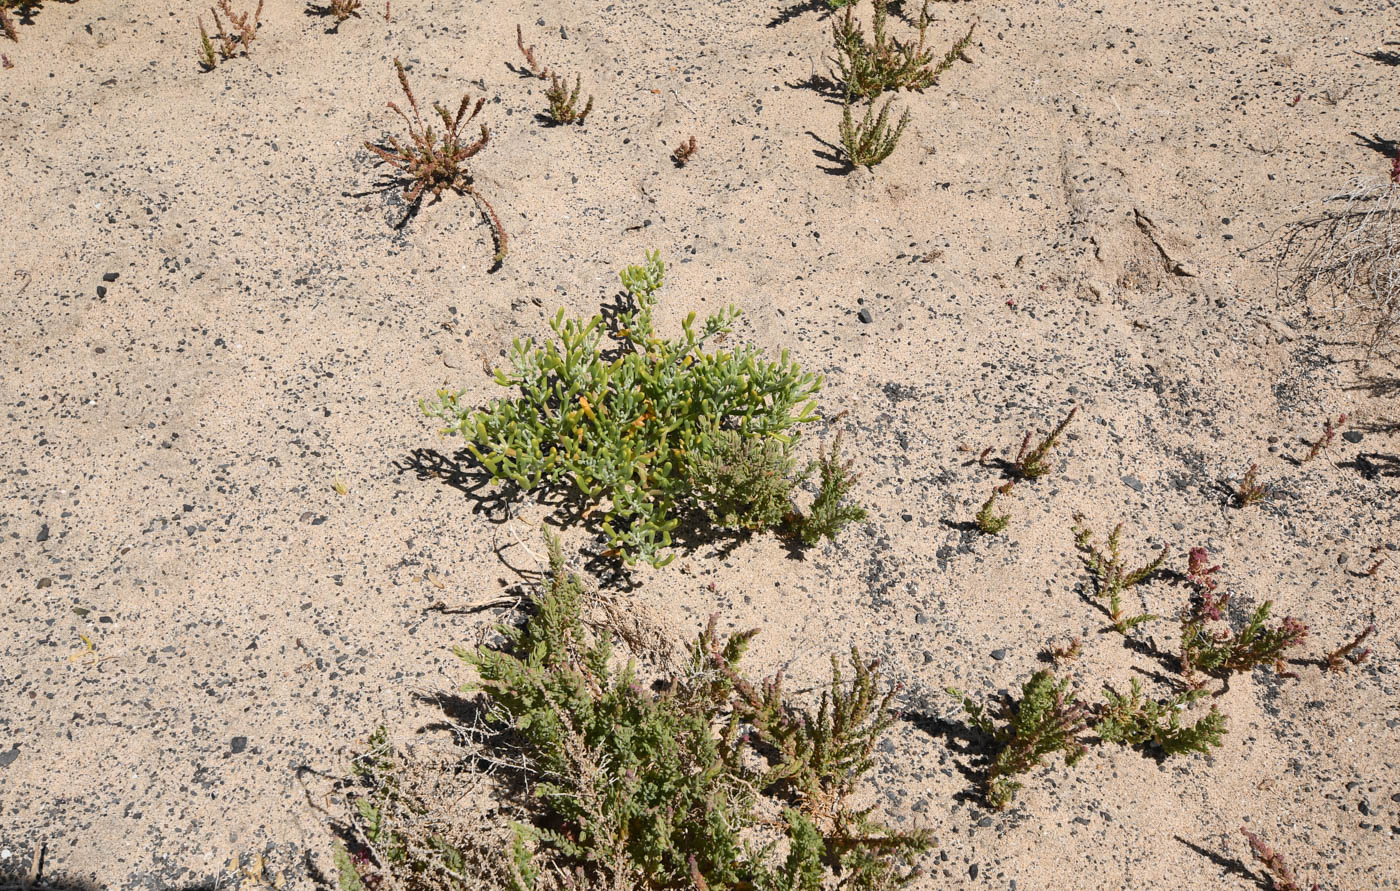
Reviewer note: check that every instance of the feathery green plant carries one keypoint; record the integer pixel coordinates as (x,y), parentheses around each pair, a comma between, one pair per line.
(1030,463)
(563,105)
(831,511)
(655,786)
(988,521)
(1226,652)
(870,142)
(869,67)
(746,483)
(1111,574)
(1135,720)
(628,433)
(1047,719)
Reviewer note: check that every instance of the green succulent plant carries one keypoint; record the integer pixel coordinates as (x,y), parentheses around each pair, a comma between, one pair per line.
(638,428)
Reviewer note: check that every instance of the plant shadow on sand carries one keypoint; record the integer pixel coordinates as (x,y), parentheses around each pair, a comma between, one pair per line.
(462,471)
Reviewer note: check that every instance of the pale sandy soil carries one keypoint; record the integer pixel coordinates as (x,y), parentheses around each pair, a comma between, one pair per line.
(171,437)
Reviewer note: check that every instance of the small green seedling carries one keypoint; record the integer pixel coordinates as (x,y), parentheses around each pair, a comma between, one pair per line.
(1112,576)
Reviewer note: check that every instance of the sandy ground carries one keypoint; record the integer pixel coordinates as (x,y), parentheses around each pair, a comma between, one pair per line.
(208,318)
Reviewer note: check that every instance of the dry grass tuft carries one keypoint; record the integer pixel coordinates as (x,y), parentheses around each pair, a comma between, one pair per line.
(1351,254)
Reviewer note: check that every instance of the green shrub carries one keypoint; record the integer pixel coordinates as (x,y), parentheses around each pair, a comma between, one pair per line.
(879,64)
(1134,720)
(831,511)
(873,139)
(642,436)
(655,786)
(1047,719)
(747,483)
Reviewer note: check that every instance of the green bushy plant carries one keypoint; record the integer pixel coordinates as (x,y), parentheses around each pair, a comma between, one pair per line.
(873,139)
(652,786)
(1135,720)
(881,63)
(831,510)
(1112,576)
(1050,718)
(1046,719)
(630,433)
(746,483)
(1225,652)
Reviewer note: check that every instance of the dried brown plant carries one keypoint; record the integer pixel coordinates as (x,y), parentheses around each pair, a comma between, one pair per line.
(538,70)
(233,39)
(340,10)
(1329,434)
(435,162)
(1280,876)
(1346,655)
(684,152)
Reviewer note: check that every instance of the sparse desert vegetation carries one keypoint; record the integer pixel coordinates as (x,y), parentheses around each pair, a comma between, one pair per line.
(994,486)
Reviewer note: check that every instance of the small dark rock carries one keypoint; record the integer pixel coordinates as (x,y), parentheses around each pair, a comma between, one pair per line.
(8,758)
(45,582)
(864,316)
(101,290)
(1133,483)
(1352,436)
(998,655)
(43,533)
(109,277)
(1364,807)
(238,744)
(972,871)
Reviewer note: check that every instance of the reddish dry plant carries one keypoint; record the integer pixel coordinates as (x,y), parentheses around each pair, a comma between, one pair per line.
(1067,652)
(1329,433)
(232,40)
(1250,489)
(538,70)
(1395,169)
(1280,876)
(7,25)
(1378,562)
(1200,572)
(436,162)
(5,61)
(684,152)
(1345,656)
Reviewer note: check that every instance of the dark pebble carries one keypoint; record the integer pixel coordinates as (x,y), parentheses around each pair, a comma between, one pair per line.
(45,582)
(101,290)
(972,871)
(864,316)
(1352,436)
(1133,483)
(998,655)
(8,758)
(238,744)
(109,277)
(43,533)
(1364,807)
